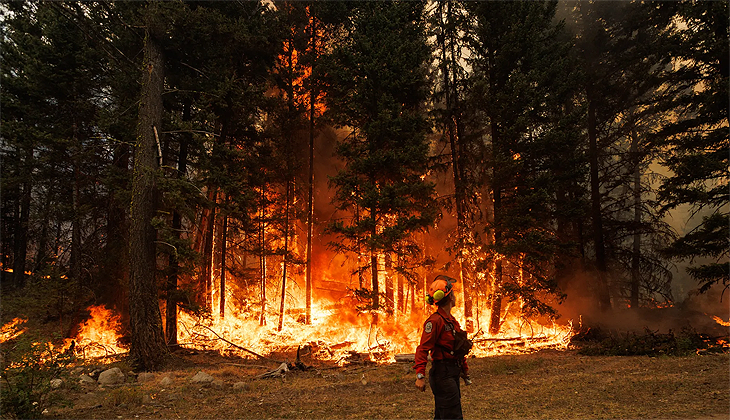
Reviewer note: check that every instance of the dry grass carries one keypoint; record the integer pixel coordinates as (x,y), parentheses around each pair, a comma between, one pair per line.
(551,385)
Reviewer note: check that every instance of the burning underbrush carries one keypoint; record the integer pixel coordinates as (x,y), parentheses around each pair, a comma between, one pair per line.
(342,335)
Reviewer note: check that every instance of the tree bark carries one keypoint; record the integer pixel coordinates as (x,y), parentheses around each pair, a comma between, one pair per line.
(262,241)
(310,197)
(20,248)
(222,276)
(147,348)
(173,262)
(389,295)
(604,298)
(286,254)
(636,252)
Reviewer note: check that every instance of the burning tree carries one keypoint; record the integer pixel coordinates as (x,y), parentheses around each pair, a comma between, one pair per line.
(377,87)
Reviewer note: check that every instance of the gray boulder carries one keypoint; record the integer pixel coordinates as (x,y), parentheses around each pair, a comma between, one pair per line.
(112,376)
(202,378)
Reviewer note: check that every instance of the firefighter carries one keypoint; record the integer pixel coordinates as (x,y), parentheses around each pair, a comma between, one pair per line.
(438,339)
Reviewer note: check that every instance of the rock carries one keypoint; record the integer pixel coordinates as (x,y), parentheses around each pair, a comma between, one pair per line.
(56,383)
(94,373)
(77,371)
(218,384)
(112,376)
(86,381)
(145,377)
(166,381)
(146,399)
(202,378)
(242,386)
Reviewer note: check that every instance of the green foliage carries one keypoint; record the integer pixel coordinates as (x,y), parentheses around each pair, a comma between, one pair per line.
(27,371)
(377,86)
(696,144)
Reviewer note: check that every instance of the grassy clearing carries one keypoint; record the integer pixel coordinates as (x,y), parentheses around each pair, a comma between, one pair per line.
(548,385)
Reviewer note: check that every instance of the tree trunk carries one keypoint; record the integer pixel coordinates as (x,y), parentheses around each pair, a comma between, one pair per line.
(399,280)
(310,216)
(604,299)
(223,250)
(75,259)
(173,262)
(117,230)
(310,198)
(286,254)
(636,252)
(208,254)
(375,295)
(389,295)
(20,248)
(262,241)
(147,348)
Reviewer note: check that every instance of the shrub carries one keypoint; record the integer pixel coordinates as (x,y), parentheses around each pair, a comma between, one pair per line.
(27,371)
(597,342)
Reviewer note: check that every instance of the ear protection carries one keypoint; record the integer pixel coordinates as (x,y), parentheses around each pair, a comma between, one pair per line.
(440,288)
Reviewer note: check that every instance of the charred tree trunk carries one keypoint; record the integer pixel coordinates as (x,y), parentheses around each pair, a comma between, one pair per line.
(116,289)
(604,299)
(313,93)
(76,222)
(20,245)
(262,260)
(496,301)
(310,216)
(389,295)
(147,341)
(286,254)
(208,253)
(374,279)
(173,262)
(360,279)
(399,281)
(223,243)
(636,252)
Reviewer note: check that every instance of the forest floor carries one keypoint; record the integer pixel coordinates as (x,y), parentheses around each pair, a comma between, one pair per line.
(548,384)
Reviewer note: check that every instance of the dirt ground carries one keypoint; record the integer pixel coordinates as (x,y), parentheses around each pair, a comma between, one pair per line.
(548,384)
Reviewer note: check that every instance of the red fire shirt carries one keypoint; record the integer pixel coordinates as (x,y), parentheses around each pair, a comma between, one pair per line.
(437,339)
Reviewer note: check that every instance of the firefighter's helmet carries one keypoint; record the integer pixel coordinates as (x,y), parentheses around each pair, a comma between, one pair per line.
(441,287)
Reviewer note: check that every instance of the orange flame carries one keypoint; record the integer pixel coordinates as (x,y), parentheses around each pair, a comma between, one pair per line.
(99,335)
(12,329)
(721,322)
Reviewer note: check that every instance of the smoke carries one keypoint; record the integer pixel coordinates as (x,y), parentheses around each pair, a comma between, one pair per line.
(694,311)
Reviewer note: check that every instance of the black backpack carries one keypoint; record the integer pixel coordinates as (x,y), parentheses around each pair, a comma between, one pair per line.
(462,344)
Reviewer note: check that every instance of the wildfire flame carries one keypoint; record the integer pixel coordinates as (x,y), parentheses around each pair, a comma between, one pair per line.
(99,335)
(12,329)
(721,322)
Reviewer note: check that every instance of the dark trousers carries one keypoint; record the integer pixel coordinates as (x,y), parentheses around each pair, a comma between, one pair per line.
(444,380)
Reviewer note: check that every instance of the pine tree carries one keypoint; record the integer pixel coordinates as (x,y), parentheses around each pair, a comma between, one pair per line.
(696,134)
(376,88)
(520,82)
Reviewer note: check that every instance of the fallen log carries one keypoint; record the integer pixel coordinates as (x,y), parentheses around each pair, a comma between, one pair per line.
(276,373)
(504,339)
(242,348)
(405,358)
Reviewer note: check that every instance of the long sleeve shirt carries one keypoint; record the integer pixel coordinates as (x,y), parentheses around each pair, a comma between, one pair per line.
(437,339)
